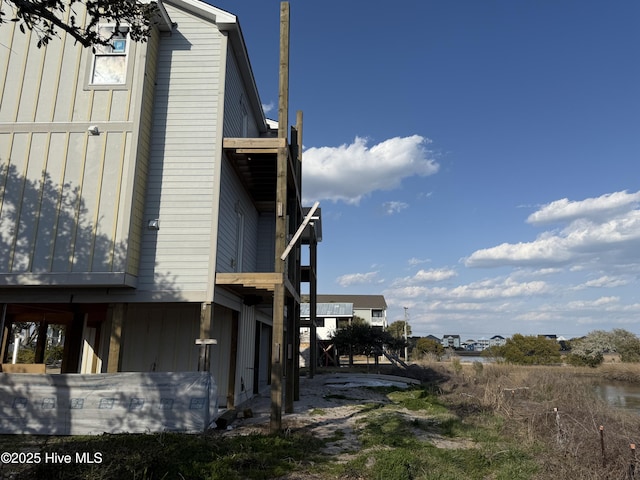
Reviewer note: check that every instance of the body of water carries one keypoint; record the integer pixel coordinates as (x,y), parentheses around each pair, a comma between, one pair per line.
(620,394)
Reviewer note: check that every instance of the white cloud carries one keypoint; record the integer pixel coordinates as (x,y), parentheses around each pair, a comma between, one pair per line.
(595,208)
(481,291)
(427,276)
(417,261)
(606,281)
(349,172)
(394,207)
(604,231)
(357,279)
(268,107)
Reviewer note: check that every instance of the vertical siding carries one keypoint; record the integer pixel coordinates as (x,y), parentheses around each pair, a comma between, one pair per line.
(221,352)
(161,338)
(65,201)
(183,155)
(246,354)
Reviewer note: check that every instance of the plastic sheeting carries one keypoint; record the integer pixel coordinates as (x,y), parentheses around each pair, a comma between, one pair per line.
(73,404)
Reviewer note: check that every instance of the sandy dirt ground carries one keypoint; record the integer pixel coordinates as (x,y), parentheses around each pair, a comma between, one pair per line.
(328,404)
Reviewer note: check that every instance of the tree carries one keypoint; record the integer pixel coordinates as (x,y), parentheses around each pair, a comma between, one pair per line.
(47,18)
(591,349)
(425,346)
(529,350)
(361,339)
(396,329)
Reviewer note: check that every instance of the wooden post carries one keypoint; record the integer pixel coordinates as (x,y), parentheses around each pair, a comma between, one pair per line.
(278,351)
(313,302)
(41,343)
(4,332)
(116,316)
(73,343)
(632,465)
(604,458)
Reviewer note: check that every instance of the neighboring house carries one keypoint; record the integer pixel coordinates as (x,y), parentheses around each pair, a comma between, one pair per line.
(497,341)
(138,200)
(371,308)
(451,341)
(470,345)
(329,317)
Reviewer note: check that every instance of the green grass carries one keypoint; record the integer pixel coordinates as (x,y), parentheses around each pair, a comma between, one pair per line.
(171,456)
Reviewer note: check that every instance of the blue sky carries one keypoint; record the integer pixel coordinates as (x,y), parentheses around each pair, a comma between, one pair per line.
(476,161)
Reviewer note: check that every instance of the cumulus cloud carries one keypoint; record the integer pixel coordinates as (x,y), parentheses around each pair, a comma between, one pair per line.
(427,276)
(481,291)
(357,279)
(601,207)
(606,281)
(603,230)
(350,172)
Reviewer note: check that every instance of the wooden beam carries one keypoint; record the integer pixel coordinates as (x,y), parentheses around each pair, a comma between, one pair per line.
(268,143)
(260,280)
(256,151)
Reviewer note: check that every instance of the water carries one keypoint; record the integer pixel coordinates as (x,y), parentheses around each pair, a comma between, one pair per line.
(620,394)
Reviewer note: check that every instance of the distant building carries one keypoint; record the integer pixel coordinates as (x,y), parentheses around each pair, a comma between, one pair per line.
(371,308)
(329,317)
(451,341)
(497,341)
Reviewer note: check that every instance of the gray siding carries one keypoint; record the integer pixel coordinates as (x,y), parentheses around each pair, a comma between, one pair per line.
(184,152)
(236,104)
(235,207)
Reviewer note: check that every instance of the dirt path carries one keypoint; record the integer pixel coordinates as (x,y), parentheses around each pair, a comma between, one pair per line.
(329,408)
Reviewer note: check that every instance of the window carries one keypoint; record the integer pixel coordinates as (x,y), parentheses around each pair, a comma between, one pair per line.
(110,61)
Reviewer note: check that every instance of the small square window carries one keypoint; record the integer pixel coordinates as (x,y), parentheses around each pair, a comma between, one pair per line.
(110,61)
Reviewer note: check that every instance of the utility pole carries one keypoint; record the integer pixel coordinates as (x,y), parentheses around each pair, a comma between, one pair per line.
(406,345)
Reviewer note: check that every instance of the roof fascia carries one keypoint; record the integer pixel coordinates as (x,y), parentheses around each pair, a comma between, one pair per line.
(160,18)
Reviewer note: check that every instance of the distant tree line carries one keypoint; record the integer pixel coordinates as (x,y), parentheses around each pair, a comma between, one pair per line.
(360,338)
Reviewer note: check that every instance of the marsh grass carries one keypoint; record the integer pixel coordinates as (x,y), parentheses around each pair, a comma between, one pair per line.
(554,412)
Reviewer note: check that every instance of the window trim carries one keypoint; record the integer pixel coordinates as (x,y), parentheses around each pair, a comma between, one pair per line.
(129,52)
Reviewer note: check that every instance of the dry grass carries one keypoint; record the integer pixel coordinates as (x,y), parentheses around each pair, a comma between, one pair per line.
(554,412)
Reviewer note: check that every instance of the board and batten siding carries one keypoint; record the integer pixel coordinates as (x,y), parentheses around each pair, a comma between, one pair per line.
(160,338)
(65,201)
(185,149)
